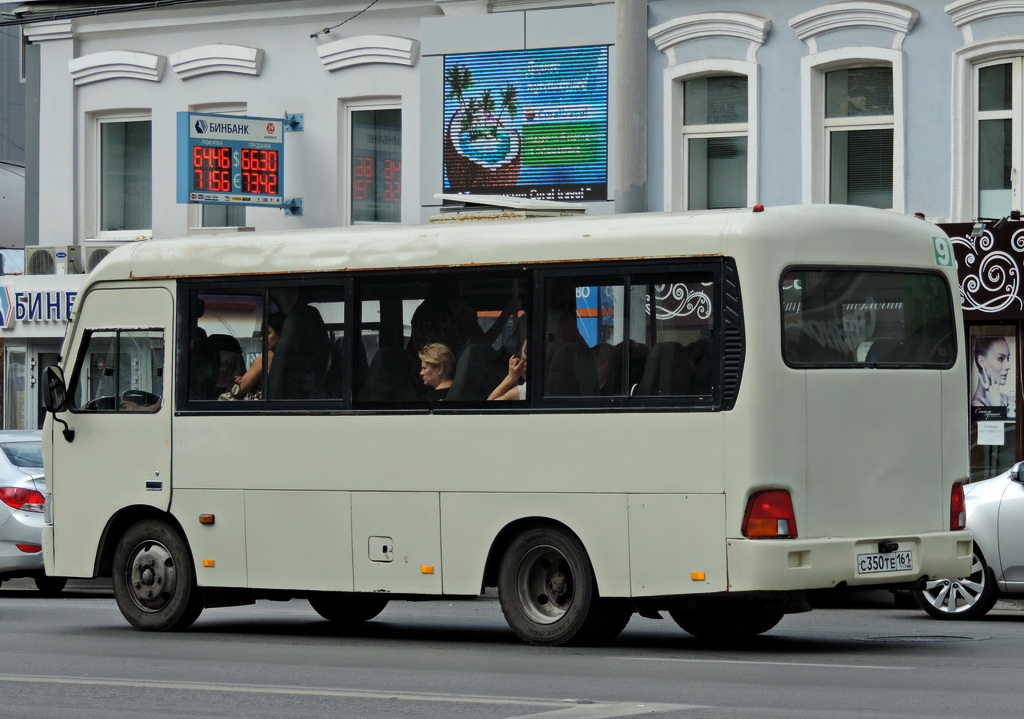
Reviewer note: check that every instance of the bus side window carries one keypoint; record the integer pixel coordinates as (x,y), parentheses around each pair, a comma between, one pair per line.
(480,319)
(120,370)
(648,334)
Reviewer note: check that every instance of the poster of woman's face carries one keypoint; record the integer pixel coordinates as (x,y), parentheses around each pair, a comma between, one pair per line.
(993,375)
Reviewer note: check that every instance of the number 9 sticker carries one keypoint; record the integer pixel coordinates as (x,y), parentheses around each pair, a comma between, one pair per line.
(943,251)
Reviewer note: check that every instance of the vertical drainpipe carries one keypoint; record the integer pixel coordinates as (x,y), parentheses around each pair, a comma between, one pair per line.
(628,115)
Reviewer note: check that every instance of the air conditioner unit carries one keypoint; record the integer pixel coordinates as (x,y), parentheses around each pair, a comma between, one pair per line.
(57,260)
(95,253)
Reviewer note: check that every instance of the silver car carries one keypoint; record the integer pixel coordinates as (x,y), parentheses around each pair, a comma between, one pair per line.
(22,500)
(995,513)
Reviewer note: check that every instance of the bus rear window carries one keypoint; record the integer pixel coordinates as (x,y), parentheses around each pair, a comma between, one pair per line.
(865,318)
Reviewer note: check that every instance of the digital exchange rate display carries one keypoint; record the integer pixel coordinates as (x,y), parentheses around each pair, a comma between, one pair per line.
(230,159)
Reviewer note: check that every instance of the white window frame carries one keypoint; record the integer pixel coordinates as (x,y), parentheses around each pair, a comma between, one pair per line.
(815,156)
(964,203)
(1014,114)
(95,188)
(345,144)
(677,135)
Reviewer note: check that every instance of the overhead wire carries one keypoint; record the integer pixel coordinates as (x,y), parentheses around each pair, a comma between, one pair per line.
(327,30)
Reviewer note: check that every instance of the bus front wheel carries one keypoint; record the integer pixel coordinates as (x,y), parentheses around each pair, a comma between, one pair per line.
(548,592)
(342,608)
(154,580)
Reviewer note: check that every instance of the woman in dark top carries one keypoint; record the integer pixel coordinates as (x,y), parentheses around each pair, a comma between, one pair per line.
(437,368)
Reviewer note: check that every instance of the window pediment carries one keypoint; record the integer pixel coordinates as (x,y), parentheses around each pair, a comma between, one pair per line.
(367,50)
(217,58)
(116,65)
(727,25)
(857,15)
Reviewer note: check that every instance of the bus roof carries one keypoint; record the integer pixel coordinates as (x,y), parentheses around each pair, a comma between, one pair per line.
(874,237)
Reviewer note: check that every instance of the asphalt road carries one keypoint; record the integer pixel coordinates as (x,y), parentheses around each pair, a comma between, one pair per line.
(74,656)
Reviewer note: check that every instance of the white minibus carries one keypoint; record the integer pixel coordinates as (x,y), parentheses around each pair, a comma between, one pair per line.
(703,414)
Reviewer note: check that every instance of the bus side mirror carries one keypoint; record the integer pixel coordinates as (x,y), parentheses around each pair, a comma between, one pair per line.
(56,398)
(56,391)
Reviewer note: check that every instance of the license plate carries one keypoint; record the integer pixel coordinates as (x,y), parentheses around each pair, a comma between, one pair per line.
(885,562)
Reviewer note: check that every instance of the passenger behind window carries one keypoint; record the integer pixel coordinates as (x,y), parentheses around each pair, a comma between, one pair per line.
(447,318)
(302,355)
(510,387)
(437,368)
(201,369)
(249,385)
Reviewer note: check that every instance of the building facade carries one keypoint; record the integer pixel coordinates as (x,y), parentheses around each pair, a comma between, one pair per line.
(620,106)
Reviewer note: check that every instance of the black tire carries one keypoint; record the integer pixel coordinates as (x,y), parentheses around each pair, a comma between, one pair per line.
(345,608)
(154,578)
(727,620)
(548,593)
(50,585)
(968,598)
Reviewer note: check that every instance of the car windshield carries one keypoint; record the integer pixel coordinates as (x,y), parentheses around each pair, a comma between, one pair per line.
(24,454)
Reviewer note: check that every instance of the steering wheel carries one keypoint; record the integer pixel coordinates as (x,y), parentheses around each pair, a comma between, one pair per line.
(140,397)
(102,404)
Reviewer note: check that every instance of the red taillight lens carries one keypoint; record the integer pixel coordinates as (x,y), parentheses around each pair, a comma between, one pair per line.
(957,507)
(28,500)
(770,514)
(29,548)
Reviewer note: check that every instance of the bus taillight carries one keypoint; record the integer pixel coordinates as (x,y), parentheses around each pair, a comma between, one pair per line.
(957,507)
(770,514)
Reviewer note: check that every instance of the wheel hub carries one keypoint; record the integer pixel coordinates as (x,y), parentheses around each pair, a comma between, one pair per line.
(152,576)
(544,585)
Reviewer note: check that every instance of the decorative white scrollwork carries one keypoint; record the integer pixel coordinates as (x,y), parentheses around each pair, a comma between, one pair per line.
(989,279)
(678,300)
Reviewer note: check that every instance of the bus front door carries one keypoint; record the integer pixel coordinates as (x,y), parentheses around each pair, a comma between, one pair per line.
(120,456)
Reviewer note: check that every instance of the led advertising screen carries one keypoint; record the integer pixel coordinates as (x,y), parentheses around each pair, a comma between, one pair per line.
(527,123)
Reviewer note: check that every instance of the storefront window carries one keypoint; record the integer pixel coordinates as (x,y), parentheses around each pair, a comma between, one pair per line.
(994,380)
(14,389)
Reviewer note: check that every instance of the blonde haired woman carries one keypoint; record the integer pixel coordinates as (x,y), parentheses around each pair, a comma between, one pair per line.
(437,368)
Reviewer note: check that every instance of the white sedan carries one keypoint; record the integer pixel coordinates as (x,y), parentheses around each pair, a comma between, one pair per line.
(995,514)
(22,503)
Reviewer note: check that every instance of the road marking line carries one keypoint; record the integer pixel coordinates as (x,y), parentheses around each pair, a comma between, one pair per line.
(277,689)
(769,664)
(561,708)
(599,710)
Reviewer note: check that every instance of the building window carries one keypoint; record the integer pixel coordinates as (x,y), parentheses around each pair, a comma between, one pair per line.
(223,216)
(126,179)
(997,112)
(859,132)
(715,141)
(376,165)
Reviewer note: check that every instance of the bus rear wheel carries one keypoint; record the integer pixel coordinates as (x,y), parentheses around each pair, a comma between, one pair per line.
(343,608)
(727,621)
(548,592)
(154,579)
